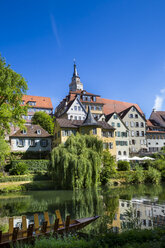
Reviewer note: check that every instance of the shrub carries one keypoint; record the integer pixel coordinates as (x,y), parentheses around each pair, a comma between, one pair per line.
(19,169)
(108,167)
(33,165)
(153,176)
(123,166)
(139,176)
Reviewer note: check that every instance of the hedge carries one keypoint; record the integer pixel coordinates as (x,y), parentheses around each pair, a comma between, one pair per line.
(30,155)
(32,177)
(33,165)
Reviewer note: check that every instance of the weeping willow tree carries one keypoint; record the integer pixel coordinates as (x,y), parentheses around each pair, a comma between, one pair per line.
(76,164)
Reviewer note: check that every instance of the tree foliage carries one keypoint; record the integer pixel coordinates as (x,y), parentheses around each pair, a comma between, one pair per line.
(4,152)
(44,120)
(12,88)
(76,164)
(108,166)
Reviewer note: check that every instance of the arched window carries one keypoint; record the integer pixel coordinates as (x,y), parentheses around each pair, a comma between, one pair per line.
(119,152)
(124,153)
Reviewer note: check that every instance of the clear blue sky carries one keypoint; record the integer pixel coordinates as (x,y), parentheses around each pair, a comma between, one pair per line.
(119,46)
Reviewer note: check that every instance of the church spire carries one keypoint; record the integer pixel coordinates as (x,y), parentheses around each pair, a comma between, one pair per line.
(76,83)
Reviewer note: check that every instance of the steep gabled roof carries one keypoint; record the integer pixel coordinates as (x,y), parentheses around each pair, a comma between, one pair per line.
(31,132)
(158,117)
(108,117)
(124,112)
(41,101)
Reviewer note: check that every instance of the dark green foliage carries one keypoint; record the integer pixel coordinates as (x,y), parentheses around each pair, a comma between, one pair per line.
(123,166)
(4,152)
(108,167)
(20,168)
(128,239)
(44,120)
(40,176)
(30,155)
(76,164)
(153,176)
(33,165)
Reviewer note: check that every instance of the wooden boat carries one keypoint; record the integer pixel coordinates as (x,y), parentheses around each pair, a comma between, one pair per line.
(35,231)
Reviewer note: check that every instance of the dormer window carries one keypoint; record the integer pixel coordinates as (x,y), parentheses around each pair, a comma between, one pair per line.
(24,131)
(32,103)
(38,131)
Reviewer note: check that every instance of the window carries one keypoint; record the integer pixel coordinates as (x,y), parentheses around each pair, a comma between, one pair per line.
(110,145)
(78,96)
(118,124)
(133,142)
(113,124)
(20,142)
(136,124)
(94,131)
(32,143)
(130,115)
(44,143)
(136,116)
(79,117)
(118,134)
(132,133)
(133,109)
(79,109)
(115,116)
(142,124)
(75,117)
(71,117)
(126,123)
(132,124)
(75,108)
(119,152)
(31,103)
(24,131)
(94,98)
(104,145)
(124,153)
(88,98)
(137,133)
(142,133)
(38,131)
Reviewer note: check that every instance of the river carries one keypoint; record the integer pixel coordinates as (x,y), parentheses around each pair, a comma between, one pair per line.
(120,207)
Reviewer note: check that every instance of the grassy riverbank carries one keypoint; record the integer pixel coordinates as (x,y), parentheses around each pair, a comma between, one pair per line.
(127,239)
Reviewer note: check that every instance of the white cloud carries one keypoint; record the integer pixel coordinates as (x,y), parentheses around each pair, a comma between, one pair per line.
(162,91)
(55,32)
(158,102)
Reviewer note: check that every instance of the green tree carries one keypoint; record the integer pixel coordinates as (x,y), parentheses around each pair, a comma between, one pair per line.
(108,166)
(44,120)
(76,164)
(4,152)
(12,88)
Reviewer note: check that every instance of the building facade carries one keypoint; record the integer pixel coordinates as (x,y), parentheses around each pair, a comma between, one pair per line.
(121,135)
(65,128)
(33,138)
(136,124)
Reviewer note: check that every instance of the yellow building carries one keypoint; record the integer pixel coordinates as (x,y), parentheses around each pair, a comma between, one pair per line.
(64,128)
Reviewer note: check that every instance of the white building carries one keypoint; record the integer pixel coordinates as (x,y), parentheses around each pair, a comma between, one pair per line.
(33,138)
(121,135)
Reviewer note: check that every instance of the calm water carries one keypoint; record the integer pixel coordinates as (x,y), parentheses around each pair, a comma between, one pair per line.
(120,207)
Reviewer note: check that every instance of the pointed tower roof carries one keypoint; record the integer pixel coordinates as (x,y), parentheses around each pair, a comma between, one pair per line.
(76,83)
(90,121)
(75,73)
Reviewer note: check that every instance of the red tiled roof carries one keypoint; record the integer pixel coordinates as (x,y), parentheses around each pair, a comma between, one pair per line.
(111,106)
(149,123)
(41,101)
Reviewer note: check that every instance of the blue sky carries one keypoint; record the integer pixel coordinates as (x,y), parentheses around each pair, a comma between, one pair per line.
(119,46)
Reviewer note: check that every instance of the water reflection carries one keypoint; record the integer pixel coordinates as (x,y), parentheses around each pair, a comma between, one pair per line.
(127,207)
